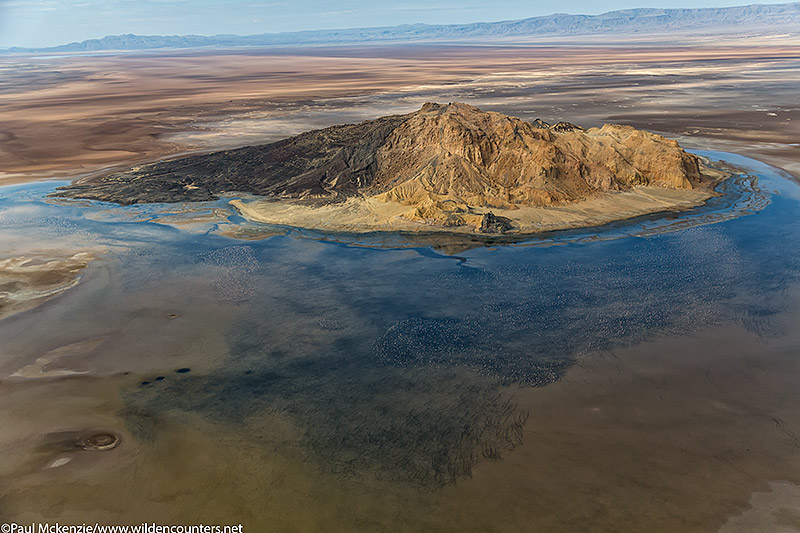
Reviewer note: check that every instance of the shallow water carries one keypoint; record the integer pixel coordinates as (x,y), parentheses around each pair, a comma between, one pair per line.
(304,381)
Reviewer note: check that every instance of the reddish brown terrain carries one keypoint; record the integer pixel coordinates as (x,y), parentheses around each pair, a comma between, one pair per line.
(64,116)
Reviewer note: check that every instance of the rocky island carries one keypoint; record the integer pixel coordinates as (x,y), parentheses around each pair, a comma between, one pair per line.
(448,167)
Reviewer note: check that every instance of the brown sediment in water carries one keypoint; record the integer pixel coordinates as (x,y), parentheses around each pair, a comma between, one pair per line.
(664,435)
(774,509)
(634,439)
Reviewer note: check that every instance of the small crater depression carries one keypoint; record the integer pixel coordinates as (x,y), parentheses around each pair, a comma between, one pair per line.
(99,441)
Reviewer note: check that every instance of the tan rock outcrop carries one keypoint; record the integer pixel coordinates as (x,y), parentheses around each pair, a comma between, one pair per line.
(446,158)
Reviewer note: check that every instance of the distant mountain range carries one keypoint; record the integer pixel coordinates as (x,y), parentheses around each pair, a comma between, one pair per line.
(771,16)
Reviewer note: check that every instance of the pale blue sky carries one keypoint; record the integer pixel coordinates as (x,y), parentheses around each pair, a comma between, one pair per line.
(37,23)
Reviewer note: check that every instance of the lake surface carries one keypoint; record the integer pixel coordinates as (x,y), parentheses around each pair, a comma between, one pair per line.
(637,376)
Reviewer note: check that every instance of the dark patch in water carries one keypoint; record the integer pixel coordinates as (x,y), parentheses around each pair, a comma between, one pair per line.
(428,428)
(141,423)
(183,370)
(469,343)
(760,320)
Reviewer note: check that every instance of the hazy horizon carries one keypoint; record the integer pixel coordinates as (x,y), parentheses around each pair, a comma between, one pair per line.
(43,23)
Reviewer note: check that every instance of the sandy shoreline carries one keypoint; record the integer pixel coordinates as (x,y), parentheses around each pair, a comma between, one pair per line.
(367,215)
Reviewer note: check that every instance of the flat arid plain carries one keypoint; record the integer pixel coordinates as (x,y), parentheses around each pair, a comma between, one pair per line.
(74,114)
(637,377)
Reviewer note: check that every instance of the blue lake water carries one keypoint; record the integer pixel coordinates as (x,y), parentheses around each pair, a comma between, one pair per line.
(373,368)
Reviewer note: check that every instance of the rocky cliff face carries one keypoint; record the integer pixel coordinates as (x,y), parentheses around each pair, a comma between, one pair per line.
(443,160)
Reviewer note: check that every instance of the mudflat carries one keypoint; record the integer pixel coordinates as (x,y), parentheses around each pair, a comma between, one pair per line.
(27,281)
(70,115)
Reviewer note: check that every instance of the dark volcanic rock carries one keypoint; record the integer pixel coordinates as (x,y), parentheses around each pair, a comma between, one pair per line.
(330,163)
(564,127)
(491,223)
